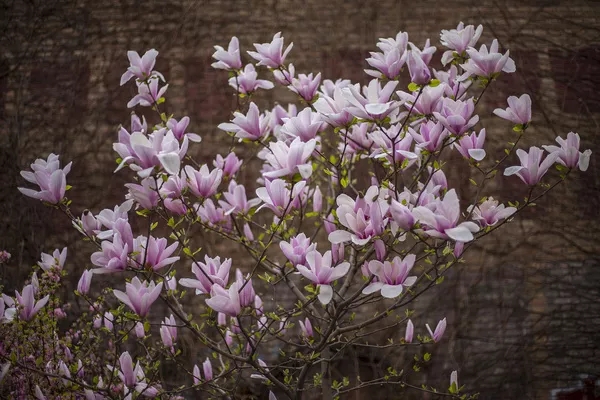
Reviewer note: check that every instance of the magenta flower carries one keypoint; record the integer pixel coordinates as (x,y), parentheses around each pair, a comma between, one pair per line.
(288,160)
(393,146)
(488,64)
(203,183)
(212,215)
(489,213)
(418,69)
(387,64)
(374,103)
(569,154)
(247,81)
(142,153)
(153,253)
(246,290)
(168,332)
(139,296)
(145,195)
(332,108)
(178,129)
(270,54)
(459,40)
(56,261)
(236,201)
(252,126)
(29,307)
(363,217)
(439,330)
(306,86)
(457,115)
(532,168)
(51,180)
(296,249)
(113,256)
(430,137)
(518,111)
(471,146)
(305,125)
(140,67)
(410,330)
(226,301)
(320,272)
(440,219)
(83,286)
(211,272)
(207,370)
(277,197)
(148,93)
(228,59)
(391,277)
(306,328)
(230,164)
(425,104)
(4,256)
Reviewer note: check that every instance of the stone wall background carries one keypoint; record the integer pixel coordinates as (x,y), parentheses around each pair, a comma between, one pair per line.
(523,313)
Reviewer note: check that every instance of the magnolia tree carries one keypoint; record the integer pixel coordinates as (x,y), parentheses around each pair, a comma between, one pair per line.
(353,217)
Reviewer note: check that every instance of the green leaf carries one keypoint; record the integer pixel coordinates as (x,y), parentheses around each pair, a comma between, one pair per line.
(434,83)
(413,87)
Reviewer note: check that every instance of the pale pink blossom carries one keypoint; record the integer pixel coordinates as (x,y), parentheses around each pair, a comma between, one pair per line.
(228,59)
(486,63)
(391,277)
(532,168)
(439,330)
(518,111)
(271,54)
(139,296)
(568,152)
(321,273)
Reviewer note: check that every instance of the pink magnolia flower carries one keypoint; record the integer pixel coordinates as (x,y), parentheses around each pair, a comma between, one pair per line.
(230,164)
(391,277)
(287,160)
(51,180)
(140,67)
(203,182)
(83,286)
(228,59)
(270,54)
(471,146)
(148,93)
(439,330)
(168,332)
(226,301)
(4,256)
(56,261)
(304,126)
(196,375)
(113,256)
(178,129)
(488,64)
(139,296)
(430,137)
(568,152)
(518,111)
(153,253)
(418,69)
(212,215)
(393,145)
(246,290)
(426,103)
(236,201)
(489,213)
(388,63)
(277,197)
(363,217)
(8,309)
(410,330)
(211,272)
(247,81)
(27,304)
(252,126)
(532,168)
(142,153)
(459,40)
(306,86)
(296,249)
(457,115)
(207,370)
(374,103)
(332,108)
(441,220)
(320,272)
(306,328)
(145,195)
(454,87)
